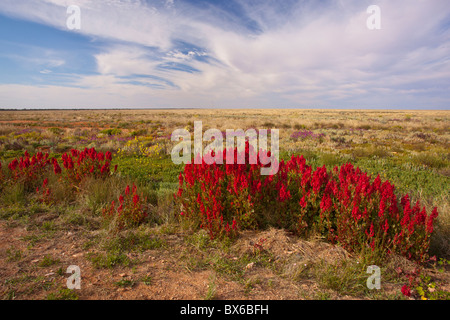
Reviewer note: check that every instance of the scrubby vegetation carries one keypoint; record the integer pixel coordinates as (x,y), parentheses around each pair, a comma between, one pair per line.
(372,184)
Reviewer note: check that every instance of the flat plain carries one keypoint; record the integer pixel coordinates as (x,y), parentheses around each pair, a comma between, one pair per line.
(161,258)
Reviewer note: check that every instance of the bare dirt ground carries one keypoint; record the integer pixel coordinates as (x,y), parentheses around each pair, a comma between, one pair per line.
(166,274)
(169,278)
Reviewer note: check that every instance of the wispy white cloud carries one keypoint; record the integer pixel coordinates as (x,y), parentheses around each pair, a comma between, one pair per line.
(298,53)
(124,61)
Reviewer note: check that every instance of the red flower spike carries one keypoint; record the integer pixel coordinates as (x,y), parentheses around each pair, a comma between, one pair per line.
(406,291)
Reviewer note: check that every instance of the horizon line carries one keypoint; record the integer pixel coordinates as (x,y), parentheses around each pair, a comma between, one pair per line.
(223,108)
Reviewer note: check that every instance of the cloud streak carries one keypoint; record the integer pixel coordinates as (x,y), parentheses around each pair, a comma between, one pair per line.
(251,54)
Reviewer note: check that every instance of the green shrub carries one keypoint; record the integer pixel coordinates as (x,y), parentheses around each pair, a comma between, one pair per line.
(112,132)
(56,131)
(429,160)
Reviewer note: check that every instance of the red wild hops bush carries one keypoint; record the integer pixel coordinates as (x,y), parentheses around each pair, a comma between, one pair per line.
(33,171)
(217,197)
(131,209)
(345,205)
(56,167)
(406,291)
(80,164)
(29,170)
(45,194)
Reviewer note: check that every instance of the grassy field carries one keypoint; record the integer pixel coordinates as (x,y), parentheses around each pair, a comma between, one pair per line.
(161,258)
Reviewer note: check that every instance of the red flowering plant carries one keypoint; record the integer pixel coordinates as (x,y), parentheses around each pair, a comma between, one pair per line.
(406,291)
(218,197)
(81,164)
(344,205)
(29,170)
(131,209)
(45,193)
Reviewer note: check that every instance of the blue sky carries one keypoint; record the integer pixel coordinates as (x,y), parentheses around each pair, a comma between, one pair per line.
(229,54)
